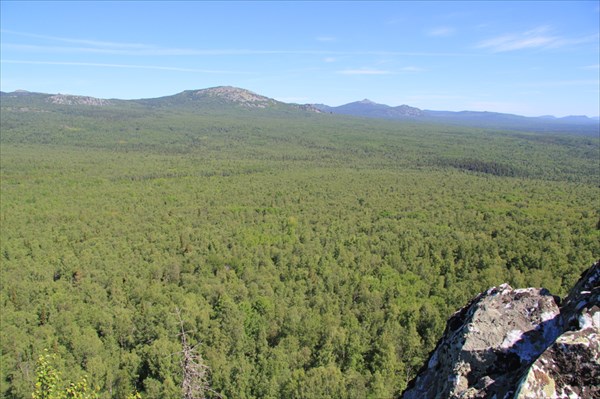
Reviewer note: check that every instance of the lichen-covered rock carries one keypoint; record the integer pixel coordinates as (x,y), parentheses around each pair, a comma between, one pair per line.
(518,344)
(488,344)
(570,368)
(241,97)
(581,299)
(66,99)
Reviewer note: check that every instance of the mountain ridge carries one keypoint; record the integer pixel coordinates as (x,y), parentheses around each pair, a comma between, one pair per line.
(366,107)
(215,98)
(233,94)
(236,94)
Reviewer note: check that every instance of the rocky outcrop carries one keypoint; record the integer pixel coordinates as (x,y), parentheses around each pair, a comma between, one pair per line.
(241,97)
(518,343)
(66,99)
(570,367)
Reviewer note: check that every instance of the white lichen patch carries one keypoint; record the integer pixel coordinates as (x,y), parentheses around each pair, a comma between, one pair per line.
(511,338)
(545,316)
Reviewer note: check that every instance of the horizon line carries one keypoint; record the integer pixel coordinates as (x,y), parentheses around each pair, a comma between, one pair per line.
(310,103)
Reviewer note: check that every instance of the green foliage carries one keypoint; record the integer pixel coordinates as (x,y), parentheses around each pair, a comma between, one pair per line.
(80,390)
(48,380)
(48,383)
(311,255)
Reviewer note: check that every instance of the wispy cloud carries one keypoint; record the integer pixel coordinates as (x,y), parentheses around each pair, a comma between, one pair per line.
(561,83)
(363,72)
(412,69)
(538,38)
(329,59)
(530,39)
(125,66)
(441,31)
(64,45)
(591,67)
(93,43)
(146,51)
(395,21)
(326,39)
(161,51)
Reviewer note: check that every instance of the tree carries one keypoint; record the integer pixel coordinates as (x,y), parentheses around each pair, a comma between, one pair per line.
(194,384)
(48,383)
(47,379)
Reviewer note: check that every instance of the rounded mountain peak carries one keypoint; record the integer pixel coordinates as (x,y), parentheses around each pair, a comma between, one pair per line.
(236,95)
(367,101)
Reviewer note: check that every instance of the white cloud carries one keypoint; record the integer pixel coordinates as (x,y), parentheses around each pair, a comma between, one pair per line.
(330,59)
(125,66)
(412,69)
(93,43)
(148,51)
(561,83)
(162,51)
(84,46)
(395,21)
(441,31)
(326,39)
(591,67)
(516,42)
(363,72)
(536,38)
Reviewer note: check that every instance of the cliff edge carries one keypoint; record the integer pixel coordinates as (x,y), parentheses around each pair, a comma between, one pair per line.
(518,343)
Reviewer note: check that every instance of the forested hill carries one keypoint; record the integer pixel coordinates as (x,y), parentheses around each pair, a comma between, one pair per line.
(309,254)
(578,124)
(215,99)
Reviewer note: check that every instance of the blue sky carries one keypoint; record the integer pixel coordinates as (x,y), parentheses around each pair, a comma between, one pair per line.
(528,58)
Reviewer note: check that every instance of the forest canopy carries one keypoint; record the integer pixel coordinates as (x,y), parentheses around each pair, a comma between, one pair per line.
(310,255)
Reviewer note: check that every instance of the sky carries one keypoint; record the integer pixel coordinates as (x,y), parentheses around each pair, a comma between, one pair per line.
(527,58)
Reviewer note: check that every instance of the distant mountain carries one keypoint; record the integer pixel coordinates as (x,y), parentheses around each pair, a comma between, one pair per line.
(371,109)
(66,99)
(229,99)
(495,120)
(24,97)
(222,97)
(483,119)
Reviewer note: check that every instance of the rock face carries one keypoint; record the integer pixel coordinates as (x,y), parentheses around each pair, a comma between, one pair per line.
(518,343)
(66,99)
(242,97)
(570,367)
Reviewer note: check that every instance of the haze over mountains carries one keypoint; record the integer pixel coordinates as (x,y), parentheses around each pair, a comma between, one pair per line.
(370,109)
(218,98)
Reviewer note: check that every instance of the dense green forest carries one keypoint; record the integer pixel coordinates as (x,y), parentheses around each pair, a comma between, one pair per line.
(309,255)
